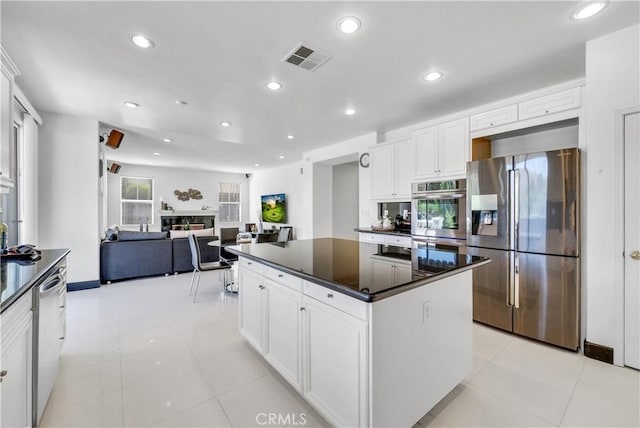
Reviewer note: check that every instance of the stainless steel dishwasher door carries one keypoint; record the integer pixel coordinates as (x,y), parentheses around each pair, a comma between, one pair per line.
(49,335)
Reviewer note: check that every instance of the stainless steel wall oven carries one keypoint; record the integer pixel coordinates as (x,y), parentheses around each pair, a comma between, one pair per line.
(438,209)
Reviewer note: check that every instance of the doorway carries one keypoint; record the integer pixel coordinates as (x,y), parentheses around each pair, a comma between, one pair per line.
(632,240)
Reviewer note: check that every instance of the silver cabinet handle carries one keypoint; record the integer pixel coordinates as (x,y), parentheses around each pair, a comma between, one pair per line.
(635,255)
(261,287)
(61,338)
(3,373)
(330,296)
(303,309)
(280,275)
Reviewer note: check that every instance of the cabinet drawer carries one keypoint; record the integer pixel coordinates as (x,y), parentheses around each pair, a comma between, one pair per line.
(493,118)
(400,241)
(375,238)
(283,278)
(252,265)
(549,104)
(337,300)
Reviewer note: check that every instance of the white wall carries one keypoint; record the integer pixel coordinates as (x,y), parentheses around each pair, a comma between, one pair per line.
(613,84)
(300,187)
(68,192)
(344,205)
(166,180)
(294,180)
(322,200)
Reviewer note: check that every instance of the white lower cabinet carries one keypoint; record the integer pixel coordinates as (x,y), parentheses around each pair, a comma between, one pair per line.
(284,332)
(251,308)
(16,353)
(311,340)
(335,363)
(386,272)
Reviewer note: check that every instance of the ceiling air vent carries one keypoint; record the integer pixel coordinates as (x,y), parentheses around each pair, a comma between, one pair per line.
(306,57)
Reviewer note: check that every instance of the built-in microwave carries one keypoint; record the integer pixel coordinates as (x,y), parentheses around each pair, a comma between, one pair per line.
(438,209)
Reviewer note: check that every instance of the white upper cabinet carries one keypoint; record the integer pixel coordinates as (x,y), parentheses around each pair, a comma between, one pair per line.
(6,128)
(550,104)
(552,107)
(425,148)
(453,148)
(391,166)
(442,150)
(493,118)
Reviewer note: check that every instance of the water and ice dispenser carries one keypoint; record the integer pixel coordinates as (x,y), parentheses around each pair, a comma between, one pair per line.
(484,215)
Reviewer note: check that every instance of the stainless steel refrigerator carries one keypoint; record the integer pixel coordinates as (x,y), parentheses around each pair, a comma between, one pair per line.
(524,213)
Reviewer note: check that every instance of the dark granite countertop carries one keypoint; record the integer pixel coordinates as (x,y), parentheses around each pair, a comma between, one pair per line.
(383,232)
(346,266)
(18,276)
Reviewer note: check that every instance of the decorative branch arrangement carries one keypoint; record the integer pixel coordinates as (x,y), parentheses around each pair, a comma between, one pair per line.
(189,194)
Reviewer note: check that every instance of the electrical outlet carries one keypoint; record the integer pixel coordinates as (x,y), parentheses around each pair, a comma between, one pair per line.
(426,308)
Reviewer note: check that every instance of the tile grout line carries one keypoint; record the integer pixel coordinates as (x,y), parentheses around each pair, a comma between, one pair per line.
(575,386)
(511,404)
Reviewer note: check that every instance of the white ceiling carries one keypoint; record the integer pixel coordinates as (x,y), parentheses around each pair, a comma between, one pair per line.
(77,58)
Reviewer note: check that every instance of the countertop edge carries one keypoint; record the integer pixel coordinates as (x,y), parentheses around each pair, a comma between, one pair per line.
(383,232)
(33,281)
(368,298)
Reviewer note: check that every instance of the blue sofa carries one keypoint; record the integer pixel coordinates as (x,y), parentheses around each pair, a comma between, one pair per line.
(151,255)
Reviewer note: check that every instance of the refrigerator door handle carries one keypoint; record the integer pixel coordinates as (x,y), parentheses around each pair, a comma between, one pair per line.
(516,281)
(516,209)
(511,289)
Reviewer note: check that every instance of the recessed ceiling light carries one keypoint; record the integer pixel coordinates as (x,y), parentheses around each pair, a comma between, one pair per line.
(225,124)
(142,41)
(181,103)
(434,75)
(274,86)
(281,157)
(350,111)
(131,104)
(290,137)
(349,24)
(256,164)
(168,140)
(156,154)
(587,10)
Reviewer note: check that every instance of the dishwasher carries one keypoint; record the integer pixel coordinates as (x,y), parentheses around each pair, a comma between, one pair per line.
(50,326)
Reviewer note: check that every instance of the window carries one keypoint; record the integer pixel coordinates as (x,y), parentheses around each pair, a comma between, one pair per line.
(229,198)
(136,200)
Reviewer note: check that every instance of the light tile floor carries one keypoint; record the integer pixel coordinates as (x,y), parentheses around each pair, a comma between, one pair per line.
(140,353)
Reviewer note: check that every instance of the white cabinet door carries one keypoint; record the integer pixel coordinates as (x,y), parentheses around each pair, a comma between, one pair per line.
(381,273)
(16,364)
(374,238)
(284,332)
(335,360)
(402,273)
(6,128)
(251,308)
(550,104)
(404,169)
(453,148)
(425,149)
(493,118)
(382,172)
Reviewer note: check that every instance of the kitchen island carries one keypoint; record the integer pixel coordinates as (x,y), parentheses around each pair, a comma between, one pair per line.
(370,335)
